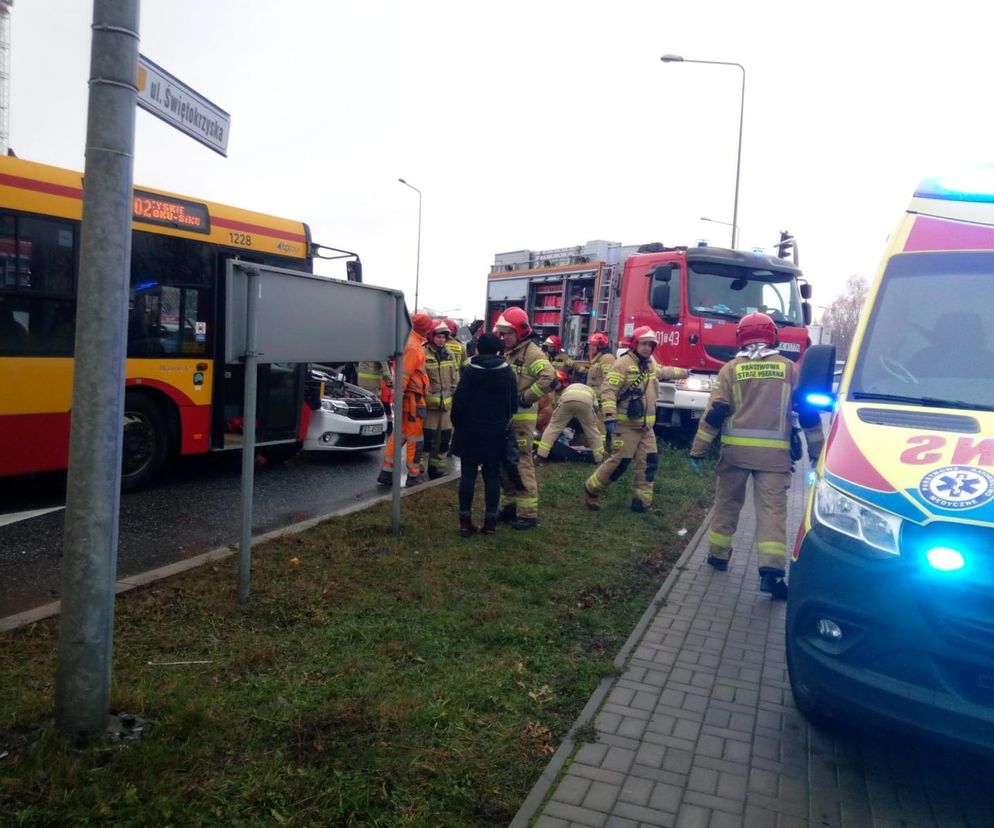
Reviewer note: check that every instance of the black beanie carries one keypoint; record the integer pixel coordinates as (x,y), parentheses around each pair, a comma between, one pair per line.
(488,344)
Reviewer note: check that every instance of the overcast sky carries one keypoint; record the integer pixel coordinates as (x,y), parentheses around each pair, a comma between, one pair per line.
(540,124)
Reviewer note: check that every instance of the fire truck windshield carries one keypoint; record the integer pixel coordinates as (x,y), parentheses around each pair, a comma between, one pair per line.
(731,291)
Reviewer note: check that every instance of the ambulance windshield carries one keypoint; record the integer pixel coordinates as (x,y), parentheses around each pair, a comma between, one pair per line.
(930,337)
(731,291)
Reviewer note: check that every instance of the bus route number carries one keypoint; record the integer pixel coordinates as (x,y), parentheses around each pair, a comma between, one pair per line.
(241,239)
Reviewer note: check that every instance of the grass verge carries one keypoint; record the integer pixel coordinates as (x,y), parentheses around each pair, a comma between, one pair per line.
(420,679)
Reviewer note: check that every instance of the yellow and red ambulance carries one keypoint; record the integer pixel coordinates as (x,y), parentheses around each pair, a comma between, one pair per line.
(891,609)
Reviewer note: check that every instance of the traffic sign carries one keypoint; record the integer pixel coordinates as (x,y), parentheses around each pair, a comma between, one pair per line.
(168,98)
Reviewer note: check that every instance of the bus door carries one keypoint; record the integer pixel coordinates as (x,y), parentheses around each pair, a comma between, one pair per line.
(280,395)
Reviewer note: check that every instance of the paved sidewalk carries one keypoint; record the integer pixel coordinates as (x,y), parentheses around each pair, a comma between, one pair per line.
(700,728)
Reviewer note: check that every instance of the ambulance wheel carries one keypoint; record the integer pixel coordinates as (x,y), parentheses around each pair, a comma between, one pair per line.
(146,443)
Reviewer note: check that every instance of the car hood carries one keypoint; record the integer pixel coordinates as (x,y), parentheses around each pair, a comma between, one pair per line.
(922,464)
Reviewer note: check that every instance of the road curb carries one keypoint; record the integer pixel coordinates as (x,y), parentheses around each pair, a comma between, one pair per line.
(21,619)
(537,796)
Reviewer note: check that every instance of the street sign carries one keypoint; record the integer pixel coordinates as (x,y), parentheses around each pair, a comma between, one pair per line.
(168,98)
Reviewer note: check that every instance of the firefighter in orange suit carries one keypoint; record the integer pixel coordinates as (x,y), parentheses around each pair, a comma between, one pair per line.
(601,358)
(413,389)
(443,377)
(751,408)
(628,402)
(535,377)
(578,401)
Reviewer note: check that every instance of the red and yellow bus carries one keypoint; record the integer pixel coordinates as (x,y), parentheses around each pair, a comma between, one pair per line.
(180,398)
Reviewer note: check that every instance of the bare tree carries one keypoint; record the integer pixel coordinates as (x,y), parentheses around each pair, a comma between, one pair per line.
(841,316)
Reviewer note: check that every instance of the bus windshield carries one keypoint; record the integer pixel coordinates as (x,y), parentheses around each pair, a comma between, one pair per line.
(732,291)
(929,338)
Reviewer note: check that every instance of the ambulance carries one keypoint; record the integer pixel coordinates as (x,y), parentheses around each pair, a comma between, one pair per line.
(890,618)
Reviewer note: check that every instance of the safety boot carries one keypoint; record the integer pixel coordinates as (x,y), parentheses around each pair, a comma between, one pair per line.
(489,524)
(638,506)
(385,478)
(773,582)
(466,527)
(719,564)
(525,523)
(434,474)
(414,480)
(508,514)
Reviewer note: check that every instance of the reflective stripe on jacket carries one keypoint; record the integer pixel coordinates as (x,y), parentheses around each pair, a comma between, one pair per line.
(534,373)
(443,376)
(631,380)
(598,368)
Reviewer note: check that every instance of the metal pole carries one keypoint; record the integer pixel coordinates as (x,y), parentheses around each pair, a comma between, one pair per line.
(398,408)
(417,267)
(93,493)
(253,288)
(738,161)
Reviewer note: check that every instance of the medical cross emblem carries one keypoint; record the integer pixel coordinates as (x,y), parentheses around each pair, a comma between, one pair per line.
(957,487)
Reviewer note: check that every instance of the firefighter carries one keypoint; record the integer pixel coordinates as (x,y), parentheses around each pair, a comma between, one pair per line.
(628,401)
(751,408)
(413,388)
(561,361)
(376,377)
(535,377)
(457,349)
(443,377)
(601,358)
(578,402)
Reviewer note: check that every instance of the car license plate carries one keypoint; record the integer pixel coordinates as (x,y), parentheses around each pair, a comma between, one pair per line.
(367,430)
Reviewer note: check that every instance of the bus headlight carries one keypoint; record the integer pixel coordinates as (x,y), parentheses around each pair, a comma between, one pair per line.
(858,520)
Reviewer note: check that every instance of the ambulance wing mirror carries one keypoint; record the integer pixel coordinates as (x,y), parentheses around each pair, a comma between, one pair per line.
(814,387)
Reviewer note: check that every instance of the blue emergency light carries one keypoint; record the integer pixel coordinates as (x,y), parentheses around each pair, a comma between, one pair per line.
(818,400)
(972,185)
(945,559)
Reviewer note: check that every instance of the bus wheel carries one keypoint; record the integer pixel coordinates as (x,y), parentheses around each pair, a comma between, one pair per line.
(146,442)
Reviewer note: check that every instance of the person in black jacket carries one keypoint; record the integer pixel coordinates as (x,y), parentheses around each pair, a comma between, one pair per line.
(482,407)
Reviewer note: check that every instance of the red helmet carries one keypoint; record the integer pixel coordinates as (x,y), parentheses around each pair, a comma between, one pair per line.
(643,333)
(451,325)
(439,327)
(554,342)
(598,341)
(422,323)
(756,327)
(514,319)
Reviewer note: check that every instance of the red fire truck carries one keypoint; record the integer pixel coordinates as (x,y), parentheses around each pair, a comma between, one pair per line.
(691,296)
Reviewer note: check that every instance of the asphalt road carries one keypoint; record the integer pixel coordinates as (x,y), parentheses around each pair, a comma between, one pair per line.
(195,509)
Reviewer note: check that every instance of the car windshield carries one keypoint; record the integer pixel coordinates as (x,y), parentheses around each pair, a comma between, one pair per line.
(732,291)
(930,334)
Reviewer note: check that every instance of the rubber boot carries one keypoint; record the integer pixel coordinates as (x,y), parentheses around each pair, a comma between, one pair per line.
(414,480)
(508,514)
(525,523)
(385,478)
(434,474)
(720,564)
(772,581)
(489,524)
(638,506)
(466,527)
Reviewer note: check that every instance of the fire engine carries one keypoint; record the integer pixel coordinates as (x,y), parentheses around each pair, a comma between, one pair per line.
(691,296)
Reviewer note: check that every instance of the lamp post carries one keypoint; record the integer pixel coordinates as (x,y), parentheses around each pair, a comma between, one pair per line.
(738,162)
(417,267)
(716,221)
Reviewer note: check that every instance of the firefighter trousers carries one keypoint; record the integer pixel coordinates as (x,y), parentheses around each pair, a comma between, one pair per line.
(412,437)
(584,414)
(769,494)
(438,436)
(633,445)
(525,501)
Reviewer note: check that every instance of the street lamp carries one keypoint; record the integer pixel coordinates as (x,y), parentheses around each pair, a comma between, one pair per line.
(417,268)
(738,162)
(716,221)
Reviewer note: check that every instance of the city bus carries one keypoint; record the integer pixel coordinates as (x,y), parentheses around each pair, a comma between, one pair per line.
(180,399)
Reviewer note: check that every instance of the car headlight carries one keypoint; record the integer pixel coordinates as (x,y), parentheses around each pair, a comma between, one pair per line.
(695,382)
(858,520)
(337,406)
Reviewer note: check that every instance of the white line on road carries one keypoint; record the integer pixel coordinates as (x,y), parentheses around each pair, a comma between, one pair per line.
(13,517)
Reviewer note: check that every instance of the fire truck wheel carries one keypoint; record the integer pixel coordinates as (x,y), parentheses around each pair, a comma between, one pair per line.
(146,442)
